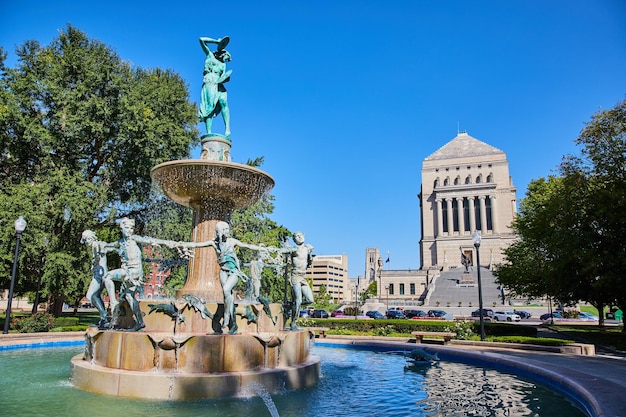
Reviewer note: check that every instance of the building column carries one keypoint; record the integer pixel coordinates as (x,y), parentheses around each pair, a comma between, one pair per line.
(494,214)
(483,214)
(439,214)
(450,217)
(461,214)
(472,214)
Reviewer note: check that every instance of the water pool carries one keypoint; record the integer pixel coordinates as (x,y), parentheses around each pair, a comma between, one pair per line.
(354,382)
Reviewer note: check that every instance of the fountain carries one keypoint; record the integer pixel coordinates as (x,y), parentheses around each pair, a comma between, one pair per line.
(182,353)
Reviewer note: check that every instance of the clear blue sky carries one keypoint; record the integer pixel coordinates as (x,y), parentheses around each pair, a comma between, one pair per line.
(344,99)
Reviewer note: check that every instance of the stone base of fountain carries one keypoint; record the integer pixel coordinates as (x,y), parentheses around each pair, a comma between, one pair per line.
(193,362)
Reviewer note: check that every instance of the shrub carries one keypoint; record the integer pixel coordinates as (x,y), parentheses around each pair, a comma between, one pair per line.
(544,341)
(40,322)
(77,328)
(496,329)
(570,314)
(351,311)
(67,321)
(463,329)
(383,330)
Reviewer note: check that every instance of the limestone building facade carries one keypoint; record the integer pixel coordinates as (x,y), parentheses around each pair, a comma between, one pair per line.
(466,186)
(332,272)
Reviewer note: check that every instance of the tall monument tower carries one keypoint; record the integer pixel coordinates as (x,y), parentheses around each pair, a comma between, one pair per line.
(465,187)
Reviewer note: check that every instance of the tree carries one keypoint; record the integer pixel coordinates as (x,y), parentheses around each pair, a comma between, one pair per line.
(322,297)
(370,292)
(603,163)
(80,130)
(571,229)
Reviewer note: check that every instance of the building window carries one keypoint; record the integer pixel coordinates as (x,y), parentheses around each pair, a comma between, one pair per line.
(390,289)
(466,215)
(401,289)
(444,216)
(412,288)
(488,213)
(455,215)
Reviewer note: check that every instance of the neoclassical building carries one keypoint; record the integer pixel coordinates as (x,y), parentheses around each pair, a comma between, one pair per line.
(465,187)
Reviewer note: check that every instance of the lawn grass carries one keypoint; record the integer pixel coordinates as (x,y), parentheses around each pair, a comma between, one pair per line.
(612,337)
(589,309)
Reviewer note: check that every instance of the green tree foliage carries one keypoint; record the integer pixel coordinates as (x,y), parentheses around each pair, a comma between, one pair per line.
(571,227)
(80,130)
(322,297)
(603,164)
(370,292)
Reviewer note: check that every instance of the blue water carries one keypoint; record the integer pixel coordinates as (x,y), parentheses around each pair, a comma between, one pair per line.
(34,382)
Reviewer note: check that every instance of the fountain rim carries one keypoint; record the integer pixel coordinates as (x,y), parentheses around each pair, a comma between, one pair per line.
(586,399)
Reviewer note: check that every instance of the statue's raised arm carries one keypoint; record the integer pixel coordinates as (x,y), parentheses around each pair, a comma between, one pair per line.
(214,99)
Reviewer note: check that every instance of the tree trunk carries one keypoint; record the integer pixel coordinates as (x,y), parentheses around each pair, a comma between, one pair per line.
(56,305)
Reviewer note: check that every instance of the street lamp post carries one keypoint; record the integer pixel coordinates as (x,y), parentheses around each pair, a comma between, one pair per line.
(20,225)
(476,238)
(356,299)
(387,288)
(380,279)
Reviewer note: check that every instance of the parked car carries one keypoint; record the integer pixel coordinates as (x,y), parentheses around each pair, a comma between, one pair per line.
(587,317)
(414,314)
(395,314)
(304,314)
(436,313)
(614,315)
(487,312)
(522,314)
(337,313)
(373,314)
(546,316)
(505,316)
(320,314)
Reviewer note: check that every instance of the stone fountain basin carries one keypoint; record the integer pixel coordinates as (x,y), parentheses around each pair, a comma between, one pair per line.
(190,362)
(196,182)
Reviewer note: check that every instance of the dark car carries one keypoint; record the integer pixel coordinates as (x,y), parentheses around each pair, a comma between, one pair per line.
(436,313)
(522,314)
(304,314)
(413,314)
(395,314)
(320,314)
(373,314)
(337,313)
(546,316)
(487,312)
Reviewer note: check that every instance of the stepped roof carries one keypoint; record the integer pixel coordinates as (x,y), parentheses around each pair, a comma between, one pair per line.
(462,146)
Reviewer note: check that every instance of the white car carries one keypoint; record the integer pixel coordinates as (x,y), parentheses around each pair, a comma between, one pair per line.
(505,316)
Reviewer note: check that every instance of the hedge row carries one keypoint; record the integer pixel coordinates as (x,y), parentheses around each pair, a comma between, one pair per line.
(408,326)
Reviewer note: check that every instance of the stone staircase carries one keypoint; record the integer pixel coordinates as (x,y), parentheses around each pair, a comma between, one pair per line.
(448,290)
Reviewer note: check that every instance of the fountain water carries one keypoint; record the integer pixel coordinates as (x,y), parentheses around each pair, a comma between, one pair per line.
(182,354)
(355,381)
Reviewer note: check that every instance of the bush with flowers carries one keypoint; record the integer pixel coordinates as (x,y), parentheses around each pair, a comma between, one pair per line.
(40,322)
